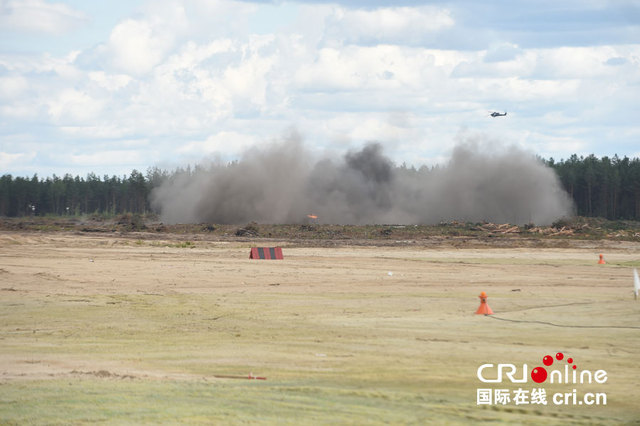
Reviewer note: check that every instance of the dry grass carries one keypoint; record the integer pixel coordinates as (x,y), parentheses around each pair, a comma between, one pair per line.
(99,328)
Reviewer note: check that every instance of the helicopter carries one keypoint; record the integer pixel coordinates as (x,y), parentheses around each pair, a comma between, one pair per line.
(498,114)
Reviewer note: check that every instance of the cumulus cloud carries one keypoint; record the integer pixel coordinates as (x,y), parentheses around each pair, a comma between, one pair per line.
(502,52)
(12,86)
(129,156)
(135,46)
(73,106)
(614,62)
(110,82)
(390,25)
(25,159)
(192,75)
(7,158)
(220,142)
(400,69)
(39,16)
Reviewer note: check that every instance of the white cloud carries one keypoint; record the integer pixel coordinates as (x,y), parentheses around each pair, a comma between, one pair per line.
(247,82)
(399,25)
(359,127)
(199,87)
(17,111)
(7,160)
(12,86)
(39,16)
(135,46)
(72,106)
(382,67)
(16,160)
(570,62)
(30,65)
(502,52)
(615,61)
(102,159)
(548,63)
(111,82)
(195,78)
(220,18)
(560,146)
(227,141)
(106,129)
(192,54)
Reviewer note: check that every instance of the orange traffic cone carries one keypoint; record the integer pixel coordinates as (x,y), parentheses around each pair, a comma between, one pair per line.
(484,308)
(601,261)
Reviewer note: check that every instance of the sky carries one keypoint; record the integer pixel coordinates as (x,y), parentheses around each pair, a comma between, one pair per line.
(109,87)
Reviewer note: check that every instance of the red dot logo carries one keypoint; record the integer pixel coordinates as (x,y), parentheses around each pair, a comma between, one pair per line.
(547,360)
(539,374)
(559,356)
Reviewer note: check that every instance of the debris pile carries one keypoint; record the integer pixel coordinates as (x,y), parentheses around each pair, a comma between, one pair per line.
(504,228)
(249,230)
(623,234)
(552,231)
(244,232)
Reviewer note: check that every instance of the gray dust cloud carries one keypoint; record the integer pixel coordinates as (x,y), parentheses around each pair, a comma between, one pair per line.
(283,182)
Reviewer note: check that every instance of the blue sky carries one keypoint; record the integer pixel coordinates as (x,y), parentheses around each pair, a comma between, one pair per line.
(108,87)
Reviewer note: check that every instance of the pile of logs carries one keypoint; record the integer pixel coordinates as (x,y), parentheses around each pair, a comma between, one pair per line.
(504,228)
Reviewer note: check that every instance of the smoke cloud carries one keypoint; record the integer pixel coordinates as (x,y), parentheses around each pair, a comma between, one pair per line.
(283,182)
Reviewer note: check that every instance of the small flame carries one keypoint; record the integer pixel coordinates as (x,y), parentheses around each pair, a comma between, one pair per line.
(312,216)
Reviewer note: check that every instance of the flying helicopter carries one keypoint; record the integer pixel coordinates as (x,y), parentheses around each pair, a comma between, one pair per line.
(498,114)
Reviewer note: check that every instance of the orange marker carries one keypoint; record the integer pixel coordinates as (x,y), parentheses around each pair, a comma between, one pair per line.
(601,261)
(484,308)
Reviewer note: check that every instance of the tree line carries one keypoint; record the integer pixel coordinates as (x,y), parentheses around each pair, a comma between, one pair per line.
(70,195)
(600,187)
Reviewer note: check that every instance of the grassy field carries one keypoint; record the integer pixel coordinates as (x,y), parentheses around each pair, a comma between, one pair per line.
(104,328)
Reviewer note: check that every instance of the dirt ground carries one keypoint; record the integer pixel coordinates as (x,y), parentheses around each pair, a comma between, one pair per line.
(346,334)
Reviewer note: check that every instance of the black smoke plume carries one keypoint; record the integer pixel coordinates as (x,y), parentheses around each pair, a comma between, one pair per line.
(283,182)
